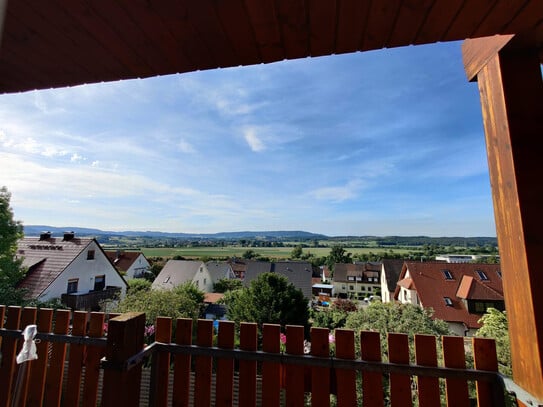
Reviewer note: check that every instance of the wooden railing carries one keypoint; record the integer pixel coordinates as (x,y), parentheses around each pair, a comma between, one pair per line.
(80,364)
(91,300)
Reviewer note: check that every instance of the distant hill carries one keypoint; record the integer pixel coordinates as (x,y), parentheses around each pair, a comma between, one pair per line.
(35,230)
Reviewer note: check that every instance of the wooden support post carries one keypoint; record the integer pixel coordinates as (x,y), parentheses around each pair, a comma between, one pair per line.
(124,339)
(511,90)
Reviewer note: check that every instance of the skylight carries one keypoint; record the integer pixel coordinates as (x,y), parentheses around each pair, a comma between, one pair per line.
(448,301)
(447,274)
(482,275)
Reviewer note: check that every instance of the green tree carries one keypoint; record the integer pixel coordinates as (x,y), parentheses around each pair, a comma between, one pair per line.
(338,255)
(269,299)
(297,252)
(227,284)
(184,301)
(249,254)
(138,284)
(495,326)
(11,270)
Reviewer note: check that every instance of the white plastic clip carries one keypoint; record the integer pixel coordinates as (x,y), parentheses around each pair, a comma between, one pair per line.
(28,352)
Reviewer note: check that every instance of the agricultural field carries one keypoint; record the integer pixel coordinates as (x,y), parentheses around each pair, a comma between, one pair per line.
(237,251)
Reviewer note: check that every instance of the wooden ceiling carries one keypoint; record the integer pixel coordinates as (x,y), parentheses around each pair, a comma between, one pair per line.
(55,43)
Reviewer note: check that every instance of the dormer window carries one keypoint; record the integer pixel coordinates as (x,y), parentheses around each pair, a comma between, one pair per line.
(482,275)
(350,278)
(447,274)
(448,301)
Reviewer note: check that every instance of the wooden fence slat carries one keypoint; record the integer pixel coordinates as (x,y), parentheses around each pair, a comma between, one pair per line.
(38,367)
(76,360)
(294,386)
(320,376)
(161,364)
(346,379)
(224,384)
(400,384)
(247,368)
(271,372)
(372,382)
(454,356)
(426,355)
(202,386)
(9,353)
(28,317)
(93,355)
(55,372)
(485,358)
(181,376)
(124,340)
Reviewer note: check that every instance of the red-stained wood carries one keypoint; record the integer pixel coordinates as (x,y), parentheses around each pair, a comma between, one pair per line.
(485,358)
(476,53)
(437,22)
(92,360)
(528,16)
(161,368)
(294,386)
(372,382)
(76,360)
(202,385)
(322,23)
(224,387)
(511,91)
(380,23)
(203,17)
(426,355)
(181,377)
(320,376)
(400,384)
(28,317)
(468,19)
(263,18)
(351,25)
(247,368)
(238,30)
(454,356)
(410,18)
(38,367)
(55,372)
(271,373)
(124,340)
(346,379)
(293,20)
(500,17)
(9,353)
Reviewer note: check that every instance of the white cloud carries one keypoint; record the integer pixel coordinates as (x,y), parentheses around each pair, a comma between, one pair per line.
(76,158)
(185,147)
(338,193)
(255,143)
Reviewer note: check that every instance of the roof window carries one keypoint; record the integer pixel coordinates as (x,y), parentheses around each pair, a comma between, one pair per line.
(448,301)
(447,274)
(482,275)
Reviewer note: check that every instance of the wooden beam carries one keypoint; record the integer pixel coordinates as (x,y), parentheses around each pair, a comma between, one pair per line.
(477,52)
(511,90)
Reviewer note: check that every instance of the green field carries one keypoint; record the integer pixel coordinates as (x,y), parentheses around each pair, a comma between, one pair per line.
(231,251)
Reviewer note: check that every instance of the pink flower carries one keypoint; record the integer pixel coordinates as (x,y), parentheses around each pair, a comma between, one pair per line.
(149,330)
(104,327)
(283,338)
(331,338)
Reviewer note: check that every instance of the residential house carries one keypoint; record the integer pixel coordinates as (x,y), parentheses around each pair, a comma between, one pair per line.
(459,293)
(356,280)
(239,267)
(213,307)
(74,269)
(211,273)
(299,273)
(390,274)
(177,272)
(132,264)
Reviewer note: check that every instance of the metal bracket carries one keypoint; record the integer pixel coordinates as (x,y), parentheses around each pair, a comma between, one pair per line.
(522,395)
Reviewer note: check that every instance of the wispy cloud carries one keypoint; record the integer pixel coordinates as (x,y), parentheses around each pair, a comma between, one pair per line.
(185,147)
(253,140)
(338,193)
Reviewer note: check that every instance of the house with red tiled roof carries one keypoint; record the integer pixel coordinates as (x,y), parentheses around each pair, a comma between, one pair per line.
(132,264)
(356,280)
(74,269)
(390,273)
(459,293)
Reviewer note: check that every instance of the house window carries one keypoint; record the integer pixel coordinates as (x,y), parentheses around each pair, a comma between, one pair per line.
(90,255)
(351,287)
(350,278)
(72,285)
(480,307)
(358,278)
(499,273)
(99,283)
(482,275)
(205,281)
(447,274)
(448,301)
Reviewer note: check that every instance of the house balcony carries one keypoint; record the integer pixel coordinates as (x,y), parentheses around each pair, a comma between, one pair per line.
(91,300)
(161,368)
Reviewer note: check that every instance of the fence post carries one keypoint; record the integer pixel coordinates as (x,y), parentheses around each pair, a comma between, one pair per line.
(124,339)
(9,348)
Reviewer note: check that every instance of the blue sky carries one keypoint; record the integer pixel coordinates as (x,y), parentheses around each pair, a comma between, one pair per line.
(380,143)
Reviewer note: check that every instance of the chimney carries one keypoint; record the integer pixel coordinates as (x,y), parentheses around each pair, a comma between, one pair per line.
(69,236)
(45,235)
